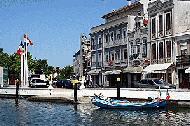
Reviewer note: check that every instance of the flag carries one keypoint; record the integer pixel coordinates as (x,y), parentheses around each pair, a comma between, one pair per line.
(27,40)
(21,45)
(20,49)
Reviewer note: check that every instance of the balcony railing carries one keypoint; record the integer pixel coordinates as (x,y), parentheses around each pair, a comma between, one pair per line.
(169,32)
(160,61)
(116,63)
(115,43)
(153,36)
(182,60)
(93,64)
(160,34)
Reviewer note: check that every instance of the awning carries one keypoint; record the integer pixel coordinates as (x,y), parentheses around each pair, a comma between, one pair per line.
(157,68)
(107,72)
(187,70)
(112,72)
(94,71)
(133,69)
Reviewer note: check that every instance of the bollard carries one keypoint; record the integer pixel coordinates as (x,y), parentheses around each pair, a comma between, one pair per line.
(17,88)
(118,88)
(75,82)
(75,92)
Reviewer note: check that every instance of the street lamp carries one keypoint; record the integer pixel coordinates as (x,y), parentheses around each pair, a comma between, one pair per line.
(118,87)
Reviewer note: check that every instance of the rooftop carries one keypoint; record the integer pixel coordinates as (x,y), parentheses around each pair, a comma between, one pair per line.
(123,9)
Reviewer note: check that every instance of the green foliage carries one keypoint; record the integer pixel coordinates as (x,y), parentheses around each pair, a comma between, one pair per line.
(66,72)
(4,59)
(35,65)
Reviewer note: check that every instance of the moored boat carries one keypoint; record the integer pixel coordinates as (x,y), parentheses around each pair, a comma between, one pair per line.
(125,104)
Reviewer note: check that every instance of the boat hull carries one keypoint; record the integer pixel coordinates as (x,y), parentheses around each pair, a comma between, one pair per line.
(120,104)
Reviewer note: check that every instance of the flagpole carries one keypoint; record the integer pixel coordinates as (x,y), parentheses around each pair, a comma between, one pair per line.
(24,61)
(21,69)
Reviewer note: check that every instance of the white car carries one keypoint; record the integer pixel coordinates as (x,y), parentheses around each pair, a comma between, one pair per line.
(38,83)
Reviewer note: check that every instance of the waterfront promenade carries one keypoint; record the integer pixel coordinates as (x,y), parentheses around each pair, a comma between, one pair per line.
(84,95)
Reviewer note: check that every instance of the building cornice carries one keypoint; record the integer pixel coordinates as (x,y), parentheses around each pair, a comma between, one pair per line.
(123,9)
(158,6)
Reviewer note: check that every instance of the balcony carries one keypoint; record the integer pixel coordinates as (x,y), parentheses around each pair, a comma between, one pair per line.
(153,36)
(169,32)
(115,43)
(160,61)
(160,34)
(115,63)
(183,60)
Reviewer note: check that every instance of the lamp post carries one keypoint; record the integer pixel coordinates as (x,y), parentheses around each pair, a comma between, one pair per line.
(118,87)
(50,88)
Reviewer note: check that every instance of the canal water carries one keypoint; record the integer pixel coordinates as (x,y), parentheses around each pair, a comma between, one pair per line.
(25,113)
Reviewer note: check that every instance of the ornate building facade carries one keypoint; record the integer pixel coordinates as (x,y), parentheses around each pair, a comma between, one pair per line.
(169,38)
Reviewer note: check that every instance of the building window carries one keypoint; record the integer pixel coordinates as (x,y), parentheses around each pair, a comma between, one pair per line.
(168,48)
(132,50)
(138,24)
(107,57)
(124,32)
(107,38)
(112,36)
(154,51)
(168,21)
(160,30)
(138,49)
(99,42)
(112,56)
(138,41)
(93,60)
(153,27)
(144,47)
(117,55)
(93,47)
(125,53)
(99,59)
(118,34)
(183,48)
(161,51)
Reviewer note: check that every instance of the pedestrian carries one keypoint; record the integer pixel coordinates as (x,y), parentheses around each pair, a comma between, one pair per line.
(17,87)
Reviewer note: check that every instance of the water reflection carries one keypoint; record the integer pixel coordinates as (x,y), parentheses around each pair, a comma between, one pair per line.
(24,113)
(16,102)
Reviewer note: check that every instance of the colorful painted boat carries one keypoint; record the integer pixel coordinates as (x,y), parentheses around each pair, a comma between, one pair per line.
(125,104)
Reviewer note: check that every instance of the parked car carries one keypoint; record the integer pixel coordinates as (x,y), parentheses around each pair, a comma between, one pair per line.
(36,82)
(65,84)
(154,83)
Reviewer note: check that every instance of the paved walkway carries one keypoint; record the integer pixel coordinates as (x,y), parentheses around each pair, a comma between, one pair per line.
(175,94)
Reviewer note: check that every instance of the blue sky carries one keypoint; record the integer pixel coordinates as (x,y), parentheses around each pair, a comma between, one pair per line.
(54,26)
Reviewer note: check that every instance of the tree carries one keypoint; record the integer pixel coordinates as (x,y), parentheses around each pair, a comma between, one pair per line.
(66,72)
(4,59)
